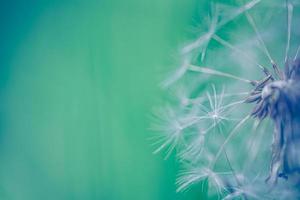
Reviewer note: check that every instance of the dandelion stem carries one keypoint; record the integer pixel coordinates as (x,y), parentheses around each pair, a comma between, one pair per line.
(206,70)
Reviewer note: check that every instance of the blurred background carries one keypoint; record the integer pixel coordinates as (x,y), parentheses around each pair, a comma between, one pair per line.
(78,80)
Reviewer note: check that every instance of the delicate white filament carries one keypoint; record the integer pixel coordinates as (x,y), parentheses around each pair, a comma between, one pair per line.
(253,25)
(229,137)
(206,70)
(297,52)
(289,22)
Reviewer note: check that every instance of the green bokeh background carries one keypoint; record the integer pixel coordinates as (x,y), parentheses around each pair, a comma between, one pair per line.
(78,80)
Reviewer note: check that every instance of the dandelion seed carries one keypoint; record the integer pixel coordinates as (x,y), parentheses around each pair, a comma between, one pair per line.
(217,73)
(171,127)
(239,11)
(193,176)
(194,150)
(203,41)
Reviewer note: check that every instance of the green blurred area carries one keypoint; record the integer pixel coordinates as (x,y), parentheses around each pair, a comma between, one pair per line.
(78,80)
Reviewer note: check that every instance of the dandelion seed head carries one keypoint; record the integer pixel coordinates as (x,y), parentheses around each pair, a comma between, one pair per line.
(210,127)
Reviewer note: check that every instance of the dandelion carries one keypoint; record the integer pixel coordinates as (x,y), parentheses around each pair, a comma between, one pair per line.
(210,129)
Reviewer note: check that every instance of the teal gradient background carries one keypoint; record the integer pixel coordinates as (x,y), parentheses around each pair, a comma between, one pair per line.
(78,80)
